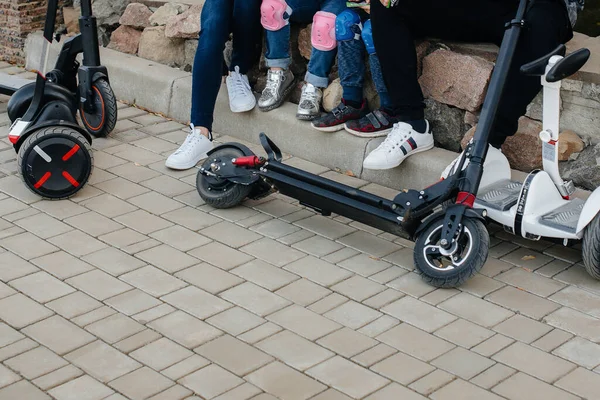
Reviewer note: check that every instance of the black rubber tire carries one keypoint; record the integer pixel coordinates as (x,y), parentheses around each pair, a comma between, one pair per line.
(479,242)
(57,131)
(107,114)
(223,194)
(591,248)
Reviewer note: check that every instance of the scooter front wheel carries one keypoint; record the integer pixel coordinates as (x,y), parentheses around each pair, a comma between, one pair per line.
(591,248)
(221,192)
(451,268)
(104,118)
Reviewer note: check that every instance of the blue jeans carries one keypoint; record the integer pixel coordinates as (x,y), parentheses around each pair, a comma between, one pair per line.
(278,42)
(220,18)
(351,66)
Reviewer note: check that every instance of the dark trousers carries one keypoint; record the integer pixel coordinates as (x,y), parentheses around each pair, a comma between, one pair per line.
(220,18)
(395,29)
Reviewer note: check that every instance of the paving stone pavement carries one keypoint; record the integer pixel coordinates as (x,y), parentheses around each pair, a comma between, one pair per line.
(135,289)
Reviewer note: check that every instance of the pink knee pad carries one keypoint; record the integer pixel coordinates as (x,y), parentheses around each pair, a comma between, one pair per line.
(272,14)
(323,31)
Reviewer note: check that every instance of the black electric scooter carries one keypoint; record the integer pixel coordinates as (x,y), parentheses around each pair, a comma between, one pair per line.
(452,242)
(55,158)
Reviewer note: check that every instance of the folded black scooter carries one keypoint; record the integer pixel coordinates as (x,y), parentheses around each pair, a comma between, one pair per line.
(446,220)
(54,150)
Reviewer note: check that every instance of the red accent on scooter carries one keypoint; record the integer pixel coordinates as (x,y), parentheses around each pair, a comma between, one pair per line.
(13,139)
(70,178)
(71,152)
(465,198)
(249,161)
(43,180)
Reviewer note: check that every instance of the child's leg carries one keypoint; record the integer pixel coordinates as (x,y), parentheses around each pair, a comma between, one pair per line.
(275,18)
(350,56)
(376,74)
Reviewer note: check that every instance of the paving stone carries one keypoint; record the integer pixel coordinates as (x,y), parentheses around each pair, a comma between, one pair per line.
(180,238)
(62,265)
(331,394)
(242,392)
(153,313)
(11,205)
(93,223)
(415,342)
(108,205)
(523,329)
(113,261)
(277,208)
(123,238)
(234,355)
(211,279)
(161,354)
(534,362)
(303,292)
(98,284)
(275,229)
(33,364)
(395,391)
(141,384)
(136,341)
(13,267)
(59,209)
(132,302)
(581,382)
(22,390)
(58,334)
(419,314)
(564,253)
(167,185)
(493,345)
(353,315)
(210,381)
(196,302)
(304,322)
(234,214)
(318,271)
(74,304)
(526,258)
(432,382)
(254,299)
(325,227)
(273,252)
(347,342)
(575,322)
(41,287)
(184,329)
(235,321)
(481,285)
(167,258)
(8,335)
(176,392)
(153,281)
(464,333)
(553,268)
(43,225)
(191,218)
(462,363)
(576,275)
(374,355)
(523,279)
(103,362)
(328,303)
(358,288)
(317,246)
(143,222)
(340,255)
(383,299)
(93,316)
(58,377)
(27,246)
(502,249)
(185,367)
(265,275)
(17,348)
(380,325)
(369,244)
(493,376)
(402,368)
(132,172)
(522,302)
(230,234)
(581,300)
(294,350)
(77,243)
(494,267)
(115,328)
(580,351)
(83,388)
(221,256)
(524,387)
(6,290)
(459,389)
(412,284)
(28,212)
(20,311)
(552,340)
(475,310)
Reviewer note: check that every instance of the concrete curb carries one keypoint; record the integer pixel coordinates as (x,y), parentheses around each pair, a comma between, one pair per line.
(166,90)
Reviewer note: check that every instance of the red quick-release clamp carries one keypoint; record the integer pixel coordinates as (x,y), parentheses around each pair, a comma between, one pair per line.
(248,161)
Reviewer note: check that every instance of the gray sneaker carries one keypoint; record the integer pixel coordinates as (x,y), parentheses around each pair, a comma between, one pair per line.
(309,107)
(279,85)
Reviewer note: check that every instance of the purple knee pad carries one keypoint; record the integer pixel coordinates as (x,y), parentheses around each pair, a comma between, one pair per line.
(274,14)
(323,31)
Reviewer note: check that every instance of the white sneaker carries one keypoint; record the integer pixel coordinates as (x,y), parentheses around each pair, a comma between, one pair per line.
(241,98)
(193,149)
(400,143)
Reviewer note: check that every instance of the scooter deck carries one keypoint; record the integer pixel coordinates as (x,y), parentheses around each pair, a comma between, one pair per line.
(500,196)
(564,218)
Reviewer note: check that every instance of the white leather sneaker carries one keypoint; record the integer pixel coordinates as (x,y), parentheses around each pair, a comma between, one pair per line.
(241,98)
(400,143)
(193,149)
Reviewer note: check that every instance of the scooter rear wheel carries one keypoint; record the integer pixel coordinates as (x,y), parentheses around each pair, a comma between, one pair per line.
(55,162)
(447,269)
(103,120)
(218,192)
(591,248)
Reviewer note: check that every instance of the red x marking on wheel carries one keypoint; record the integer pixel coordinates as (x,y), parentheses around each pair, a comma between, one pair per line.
(48,159)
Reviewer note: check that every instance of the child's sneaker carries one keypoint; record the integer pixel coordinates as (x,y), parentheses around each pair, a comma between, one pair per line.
(375,124)
(335,120)
(401,142)
(309,106)
(279,85)
(193,149)
(241,98)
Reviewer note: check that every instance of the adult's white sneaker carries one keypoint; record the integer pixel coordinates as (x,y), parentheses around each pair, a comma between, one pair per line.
(193,149)
(241,98)
(402,142)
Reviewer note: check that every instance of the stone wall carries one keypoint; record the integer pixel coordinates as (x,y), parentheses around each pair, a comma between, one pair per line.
(18,18)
